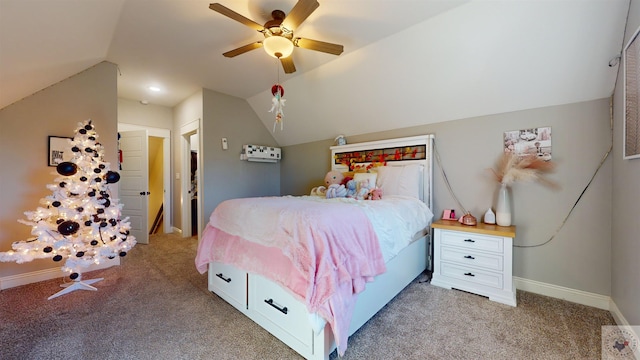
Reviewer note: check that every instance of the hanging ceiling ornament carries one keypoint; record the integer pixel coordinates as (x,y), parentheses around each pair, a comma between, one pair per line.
(277,103)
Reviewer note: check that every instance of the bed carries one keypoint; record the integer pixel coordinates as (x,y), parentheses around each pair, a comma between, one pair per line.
(281,260)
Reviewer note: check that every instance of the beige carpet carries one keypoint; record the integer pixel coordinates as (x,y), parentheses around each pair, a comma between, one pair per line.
(157,306)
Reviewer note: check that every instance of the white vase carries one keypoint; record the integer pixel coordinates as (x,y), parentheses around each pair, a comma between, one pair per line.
(503,207)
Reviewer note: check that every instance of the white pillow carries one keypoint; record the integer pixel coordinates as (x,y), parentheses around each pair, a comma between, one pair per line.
(369,177)
(400,180)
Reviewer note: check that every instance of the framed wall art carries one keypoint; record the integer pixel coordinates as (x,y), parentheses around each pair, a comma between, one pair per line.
(529,141)
(59,150)
(631,66)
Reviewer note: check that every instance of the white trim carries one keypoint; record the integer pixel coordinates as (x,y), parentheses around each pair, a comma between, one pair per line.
(564,293)
(11,281)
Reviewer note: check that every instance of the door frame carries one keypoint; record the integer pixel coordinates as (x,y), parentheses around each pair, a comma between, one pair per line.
(186,131)
(165,134)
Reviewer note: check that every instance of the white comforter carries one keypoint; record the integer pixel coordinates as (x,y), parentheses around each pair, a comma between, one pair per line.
(395,220)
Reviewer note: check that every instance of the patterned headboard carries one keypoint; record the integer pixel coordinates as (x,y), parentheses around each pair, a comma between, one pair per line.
(395,152)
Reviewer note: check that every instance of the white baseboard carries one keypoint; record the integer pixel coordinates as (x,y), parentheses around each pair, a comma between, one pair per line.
(8,282)
(560,292)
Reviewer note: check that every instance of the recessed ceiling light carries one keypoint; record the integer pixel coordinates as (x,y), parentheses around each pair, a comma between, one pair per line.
(154,88)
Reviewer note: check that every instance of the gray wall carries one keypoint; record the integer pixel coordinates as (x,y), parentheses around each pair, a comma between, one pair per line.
(224,175)
(24,130)
(580,255)
(626,205)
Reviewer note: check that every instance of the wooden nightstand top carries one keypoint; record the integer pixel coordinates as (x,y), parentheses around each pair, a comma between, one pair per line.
(481,228)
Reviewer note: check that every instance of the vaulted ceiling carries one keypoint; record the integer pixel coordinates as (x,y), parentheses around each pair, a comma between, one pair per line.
(405,62)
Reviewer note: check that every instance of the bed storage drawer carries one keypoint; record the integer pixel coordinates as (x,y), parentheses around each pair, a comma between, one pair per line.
(280,313)
(229,283)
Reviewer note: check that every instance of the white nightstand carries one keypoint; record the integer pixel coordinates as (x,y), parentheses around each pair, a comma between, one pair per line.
(476,259)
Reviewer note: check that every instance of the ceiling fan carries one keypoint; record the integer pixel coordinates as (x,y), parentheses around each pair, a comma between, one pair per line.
(278,33)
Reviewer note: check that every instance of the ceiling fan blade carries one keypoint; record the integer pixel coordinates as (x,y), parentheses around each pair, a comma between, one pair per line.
(301,10)
(316,45)
(287,64)
(243,49)
(235,16)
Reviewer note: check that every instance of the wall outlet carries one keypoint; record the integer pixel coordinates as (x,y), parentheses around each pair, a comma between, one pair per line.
(225,144)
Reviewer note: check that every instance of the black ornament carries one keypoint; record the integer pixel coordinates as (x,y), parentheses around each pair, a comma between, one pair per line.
(102,166)
(97,171)
(68,227)
(63,184)
(103,224)
(122,254)
(80,254)
(57,258)
(100,211)
(107,203)
(111,257)
(48,249)
(80,209)
(113,222)
(92,193)
(92,138)
(56,203)
(94,242)
(88,127)
(113,237)
(67,168)
(82,131)
(112,177)
(83,178)
(75,149)
(73,276)
(98,180)
(89,150)
(87,223)
(59,221)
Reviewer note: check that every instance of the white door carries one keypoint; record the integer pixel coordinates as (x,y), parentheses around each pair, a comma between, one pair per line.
(134,182)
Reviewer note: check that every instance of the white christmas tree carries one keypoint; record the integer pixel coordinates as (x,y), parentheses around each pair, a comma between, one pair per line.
(79,222)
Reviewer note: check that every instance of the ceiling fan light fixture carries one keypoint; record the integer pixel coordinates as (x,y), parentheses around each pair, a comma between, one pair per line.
(278,46)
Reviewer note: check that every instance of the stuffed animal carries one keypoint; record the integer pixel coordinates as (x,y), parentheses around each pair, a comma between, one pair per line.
(319,191)
(333,177)
(336,191)
(351,188)
(375,194)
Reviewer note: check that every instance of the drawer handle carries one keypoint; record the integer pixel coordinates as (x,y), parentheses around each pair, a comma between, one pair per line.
(223,278)
(469,257)
(469,240)
(468,274)
(281,309)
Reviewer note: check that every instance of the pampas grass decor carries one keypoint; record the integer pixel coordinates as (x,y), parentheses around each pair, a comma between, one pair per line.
(511,168)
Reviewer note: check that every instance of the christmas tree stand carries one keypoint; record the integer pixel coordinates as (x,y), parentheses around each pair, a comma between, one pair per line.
(77,284)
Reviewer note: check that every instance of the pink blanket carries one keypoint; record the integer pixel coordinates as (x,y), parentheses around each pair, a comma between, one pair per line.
(324,252)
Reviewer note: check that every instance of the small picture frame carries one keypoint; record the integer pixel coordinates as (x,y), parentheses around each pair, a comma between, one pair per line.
(449,214)
(59,150)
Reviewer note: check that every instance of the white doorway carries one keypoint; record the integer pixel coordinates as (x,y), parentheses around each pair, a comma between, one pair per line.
(160,184)
(191,179)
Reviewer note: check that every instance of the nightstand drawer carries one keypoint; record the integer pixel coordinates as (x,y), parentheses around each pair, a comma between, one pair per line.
(472,241)
(481,277)
(468,257)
